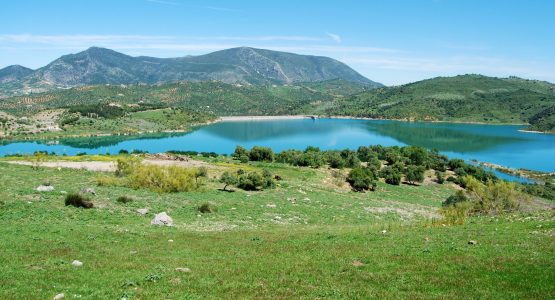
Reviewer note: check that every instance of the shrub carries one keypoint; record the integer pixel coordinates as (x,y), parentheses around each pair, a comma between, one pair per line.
(335,160)
(78,200)
(417,156)
(414,174)
(254,181)
(124,199)
(123,151)
(352,161)
(361,179)
(440,177)
(241,154)
(391,175)
(126,165)
(261,154)
(458,197)
(207,208)
(228,179)
(162,179)
(201,172)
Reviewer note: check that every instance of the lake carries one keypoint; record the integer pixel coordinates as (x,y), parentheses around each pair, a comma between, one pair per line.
(498,144)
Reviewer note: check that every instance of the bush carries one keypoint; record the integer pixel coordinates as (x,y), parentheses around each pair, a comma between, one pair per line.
(414,174)
(391,175)
(241,154)
(123,151)
(361,179)
(440,177)
(126,165)
(207,208)
(228,179)
(124,199)
(78,200)
(335,160)
(164,179)
(261,154)
(254,181)
(458,197)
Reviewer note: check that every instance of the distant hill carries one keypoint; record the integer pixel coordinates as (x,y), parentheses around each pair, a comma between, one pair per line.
(212,97)
(237,65)
(470,98)
(14,73)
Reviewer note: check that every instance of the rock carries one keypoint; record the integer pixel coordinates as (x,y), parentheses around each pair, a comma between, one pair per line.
(76,263)
(88,190)
(357,263)
(384,231)
(142,211)
(59,296)
(472,242)
(271,205)
(183,270)
(132,252)
(45,188)
(162,219)
(170,241)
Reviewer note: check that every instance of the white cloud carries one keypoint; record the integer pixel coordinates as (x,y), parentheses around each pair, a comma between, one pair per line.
(334,37)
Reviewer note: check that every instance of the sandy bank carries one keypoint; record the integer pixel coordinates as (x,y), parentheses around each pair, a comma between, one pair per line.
(262,118)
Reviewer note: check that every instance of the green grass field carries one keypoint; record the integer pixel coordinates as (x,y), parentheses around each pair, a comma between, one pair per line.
(307,238)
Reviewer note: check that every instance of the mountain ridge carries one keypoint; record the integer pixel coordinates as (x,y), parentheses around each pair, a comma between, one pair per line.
(241,65)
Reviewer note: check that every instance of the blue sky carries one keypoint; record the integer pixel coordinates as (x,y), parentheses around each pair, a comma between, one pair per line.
(390,41)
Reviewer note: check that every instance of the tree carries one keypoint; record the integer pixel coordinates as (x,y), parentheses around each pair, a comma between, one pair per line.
(228,179)
(414,174)
(361,179)
(417,155)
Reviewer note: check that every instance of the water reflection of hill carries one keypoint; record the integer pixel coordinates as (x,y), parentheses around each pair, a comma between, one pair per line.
(443,138)
(106,141)
(249,131)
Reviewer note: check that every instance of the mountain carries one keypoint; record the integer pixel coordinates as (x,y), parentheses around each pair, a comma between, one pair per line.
(470,98)
(13,73)
(237,65)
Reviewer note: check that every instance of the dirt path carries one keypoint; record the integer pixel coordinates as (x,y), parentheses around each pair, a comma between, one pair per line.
(109,166)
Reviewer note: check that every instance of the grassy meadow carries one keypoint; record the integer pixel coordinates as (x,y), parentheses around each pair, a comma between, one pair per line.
(310,237)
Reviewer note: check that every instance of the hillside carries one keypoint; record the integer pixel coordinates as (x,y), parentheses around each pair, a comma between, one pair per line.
(469,98)
(209,96)
(236,65)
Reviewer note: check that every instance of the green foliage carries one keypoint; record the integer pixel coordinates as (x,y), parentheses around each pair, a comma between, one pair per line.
(361,179)
(462,98)
(391,175)
(162,179)
(414,174)
(207,208)
(440,177)
(78,200)
(228,179)
(254,181)
(261,154)
(125,199)
(546,190)
(241,154)
(458,197)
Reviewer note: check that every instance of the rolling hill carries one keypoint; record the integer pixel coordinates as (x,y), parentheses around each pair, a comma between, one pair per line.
(236,65)
(467,98)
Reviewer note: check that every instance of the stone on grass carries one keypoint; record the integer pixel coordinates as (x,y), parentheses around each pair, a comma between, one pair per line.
(76,263)
(357,263)
(472,242)
(142,211)
(183,270)
(45,188)
(162,219)
(59,296)
(270,205)
(88,190)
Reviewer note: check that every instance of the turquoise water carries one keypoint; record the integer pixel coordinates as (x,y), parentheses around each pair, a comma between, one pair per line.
(499,144)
